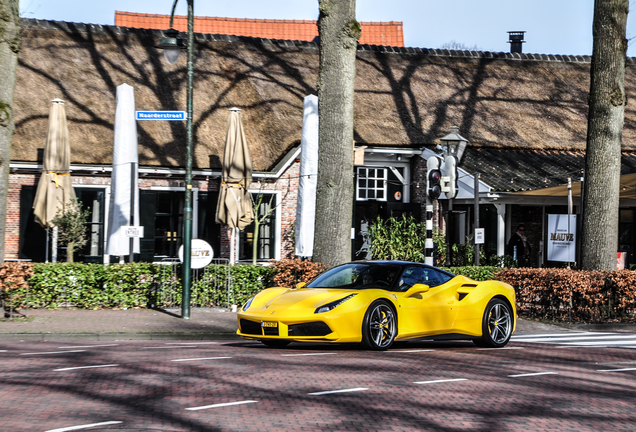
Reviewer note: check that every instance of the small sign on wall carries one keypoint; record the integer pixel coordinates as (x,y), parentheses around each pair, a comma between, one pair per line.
(480,235)
(134,231)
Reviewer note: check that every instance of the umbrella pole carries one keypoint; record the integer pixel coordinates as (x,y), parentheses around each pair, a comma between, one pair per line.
(231,245)
(46,254)
(54,246)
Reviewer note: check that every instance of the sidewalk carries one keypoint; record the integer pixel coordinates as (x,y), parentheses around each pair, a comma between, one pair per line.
(107,324)
(149,324)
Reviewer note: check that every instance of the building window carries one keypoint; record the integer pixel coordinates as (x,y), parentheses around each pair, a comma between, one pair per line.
(371,184)
(267,213)
(33,238)
(93,200)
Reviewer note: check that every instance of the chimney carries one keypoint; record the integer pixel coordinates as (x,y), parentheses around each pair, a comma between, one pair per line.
(515,41)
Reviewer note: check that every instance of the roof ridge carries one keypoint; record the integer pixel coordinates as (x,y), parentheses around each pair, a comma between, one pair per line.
(268,20)
(435,52)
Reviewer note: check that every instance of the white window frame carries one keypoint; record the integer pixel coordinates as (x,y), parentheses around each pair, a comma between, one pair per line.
(384,181)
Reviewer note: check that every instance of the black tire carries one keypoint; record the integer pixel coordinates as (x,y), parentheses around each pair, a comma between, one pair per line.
(496,325)
(379,326)
(275,343)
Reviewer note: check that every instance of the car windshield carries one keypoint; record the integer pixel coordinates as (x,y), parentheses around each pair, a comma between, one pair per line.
(358,276)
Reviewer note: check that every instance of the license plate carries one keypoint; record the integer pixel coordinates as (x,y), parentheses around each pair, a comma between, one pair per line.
(269,324)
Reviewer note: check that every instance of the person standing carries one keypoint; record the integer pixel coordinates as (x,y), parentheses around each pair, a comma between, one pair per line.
(518,246)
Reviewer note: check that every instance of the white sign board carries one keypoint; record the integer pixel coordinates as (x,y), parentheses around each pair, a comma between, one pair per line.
(562,238)
(134,231)
(480,235)
(201,254)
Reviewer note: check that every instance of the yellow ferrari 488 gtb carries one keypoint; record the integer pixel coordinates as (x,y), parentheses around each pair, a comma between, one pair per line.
(379,302)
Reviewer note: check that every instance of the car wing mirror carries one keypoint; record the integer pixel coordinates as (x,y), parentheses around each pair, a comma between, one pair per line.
(417,289)
(300,285)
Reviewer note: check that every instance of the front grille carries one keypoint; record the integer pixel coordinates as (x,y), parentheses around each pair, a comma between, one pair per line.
(270,331)
(251,327)
(317,328)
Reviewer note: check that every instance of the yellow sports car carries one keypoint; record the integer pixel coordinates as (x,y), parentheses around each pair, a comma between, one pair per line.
(379,302)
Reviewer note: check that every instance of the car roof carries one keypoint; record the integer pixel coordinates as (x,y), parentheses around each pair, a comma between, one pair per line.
(399,263)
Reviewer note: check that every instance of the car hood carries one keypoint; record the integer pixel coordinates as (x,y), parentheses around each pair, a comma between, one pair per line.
(305,298)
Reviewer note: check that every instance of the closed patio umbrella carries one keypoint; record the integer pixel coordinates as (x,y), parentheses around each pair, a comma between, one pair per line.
(55,188)
(234,207)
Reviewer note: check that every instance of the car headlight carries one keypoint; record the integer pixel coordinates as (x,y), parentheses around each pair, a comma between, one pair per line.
(333,304)
(247,304)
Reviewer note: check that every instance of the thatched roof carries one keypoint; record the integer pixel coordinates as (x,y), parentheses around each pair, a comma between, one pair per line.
(404,96)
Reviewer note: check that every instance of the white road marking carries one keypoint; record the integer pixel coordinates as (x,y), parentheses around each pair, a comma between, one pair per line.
(84,367)
(411,351)
(502,348)
(440,381)
(72,428)
(3,350)
(592,336)
(338,391)
(53,352)
(202,358)
(311,354)
(88,346)
(616,370)
(599,342)
(533,374)
(532,336)
(168,347)
(580,346)
(221,405)
(191,343)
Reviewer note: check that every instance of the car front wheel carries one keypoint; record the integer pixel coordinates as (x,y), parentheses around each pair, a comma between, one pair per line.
(497,324)
(379,326)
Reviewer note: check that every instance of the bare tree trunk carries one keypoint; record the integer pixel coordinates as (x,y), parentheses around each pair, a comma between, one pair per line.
(599,242)
(339,33)
(9,46)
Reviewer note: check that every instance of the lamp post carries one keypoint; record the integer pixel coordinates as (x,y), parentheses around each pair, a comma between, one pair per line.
(453,146)
(172,44)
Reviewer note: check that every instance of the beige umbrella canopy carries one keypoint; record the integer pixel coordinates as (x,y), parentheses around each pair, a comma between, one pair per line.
(55,188)
(234,207)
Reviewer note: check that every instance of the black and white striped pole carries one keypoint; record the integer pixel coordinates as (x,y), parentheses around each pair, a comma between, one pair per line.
(433,191)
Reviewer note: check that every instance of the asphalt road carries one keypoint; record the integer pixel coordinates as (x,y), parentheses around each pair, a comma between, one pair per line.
(539,382)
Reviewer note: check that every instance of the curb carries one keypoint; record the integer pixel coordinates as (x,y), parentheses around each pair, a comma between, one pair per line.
(61,337)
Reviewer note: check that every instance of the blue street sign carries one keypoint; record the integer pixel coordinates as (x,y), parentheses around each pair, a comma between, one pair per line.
(161,115)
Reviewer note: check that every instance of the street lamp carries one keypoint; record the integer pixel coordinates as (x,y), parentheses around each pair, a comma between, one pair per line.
(453,146)
(172,45)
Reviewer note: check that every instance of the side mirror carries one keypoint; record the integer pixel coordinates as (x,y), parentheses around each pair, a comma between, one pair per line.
(416,289)
(300,285)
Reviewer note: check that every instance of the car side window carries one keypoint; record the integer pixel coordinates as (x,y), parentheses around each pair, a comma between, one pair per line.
(411,276)
(421,275)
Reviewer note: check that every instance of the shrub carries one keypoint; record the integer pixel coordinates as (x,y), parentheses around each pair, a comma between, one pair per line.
(128,285)
(288,273)
(66,284)
(477,273)
(398,239)
(573,295)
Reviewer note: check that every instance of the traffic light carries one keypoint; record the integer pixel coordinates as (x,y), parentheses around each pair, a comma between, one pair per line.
(450,166)
(433,178)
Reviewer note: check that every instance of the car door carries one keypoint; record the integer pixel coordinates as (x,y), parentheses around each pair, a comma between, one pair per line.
(430,312)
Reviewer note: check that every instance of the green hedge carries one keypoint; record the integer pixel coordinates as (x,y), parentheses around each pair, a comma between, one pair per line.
(94,286)
(477,273)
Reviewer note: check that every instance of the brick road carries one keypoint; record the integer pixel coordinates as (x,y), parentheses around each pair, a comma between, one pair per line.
(435,386)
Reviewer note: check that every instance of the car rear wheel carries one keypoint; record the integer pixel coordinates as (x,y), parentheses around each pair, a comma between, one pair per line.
(275,343)
(497,324)
(379,326)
